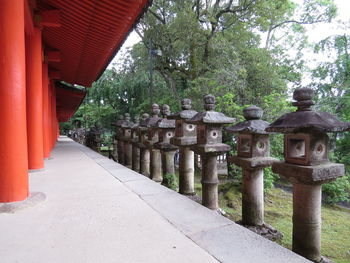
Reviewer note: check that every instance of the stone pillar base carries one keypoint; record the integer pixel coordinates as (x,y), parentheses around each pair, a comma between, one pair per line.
(33,199)
(264,230)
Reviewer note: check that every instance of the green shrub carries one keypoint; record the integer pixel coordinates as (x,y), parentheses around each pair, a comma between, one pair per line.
(170,181)
(269,179)
(337,191)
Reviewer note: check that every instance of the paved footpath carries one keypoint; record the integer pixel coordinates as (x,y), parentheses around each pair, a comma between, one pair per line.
(99,211)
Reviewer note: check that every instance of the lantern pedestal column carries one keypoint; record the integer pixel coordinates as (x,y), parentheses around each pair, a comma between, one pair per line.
(144,161)
(210,181)
(307,183)
(156,165)
(135,157)
(253,197)
(127,153)
(169,164)
(115,150)
(252,187)
(120,149)
(186,171)
(135,150)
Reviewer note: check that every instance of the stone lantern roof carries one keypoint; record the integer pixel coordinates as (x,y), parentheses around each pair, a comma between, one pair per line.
(305,119)
(151,121)
(165,123)
(209,116)
(96,129)
(118,123)
(127,123)
(136,123)
(185,113)
(253,123)
(144,119)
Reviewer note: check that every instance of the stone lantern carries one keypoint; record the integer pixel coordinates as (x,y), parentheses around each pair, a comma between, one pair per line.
(253,154)
(155,156)
(307,167)
(185,136)
(116,143)
(144,152)
(135,164)
(93,138)
(126,139)
(209,146)
(166,130)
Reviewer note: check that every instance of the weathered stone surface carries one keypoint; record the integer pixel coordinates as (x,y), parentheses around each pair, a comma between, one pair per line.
(209,145)
(156,165)
(166,123)
(185,113)
(253,113)
(150,122)
(307,221)
(146,187)
(165,146)
(216,148)
(233,243)
(166,131)
(209,116)
(265,230)
(186,171)
(317,174)
(306,120)
(185,134)
(252,163)
(249,126)
(176,209)
(183,141)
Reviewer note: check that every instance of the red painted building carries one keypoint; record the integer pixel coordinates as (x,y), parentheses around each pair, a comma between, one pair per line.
(43,42)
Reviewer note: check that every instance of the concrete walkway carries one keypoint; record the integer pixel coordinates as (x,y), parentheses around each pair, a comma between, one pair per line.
(99,211)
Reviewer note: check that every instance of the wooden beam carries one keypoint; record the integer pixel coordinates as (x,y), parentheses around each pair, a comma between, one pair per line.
(51,18)
(53,56)
(54,74)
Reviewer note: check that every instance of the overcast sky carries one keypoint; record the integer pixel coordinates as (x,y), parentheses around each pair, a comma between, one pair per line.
(315,33)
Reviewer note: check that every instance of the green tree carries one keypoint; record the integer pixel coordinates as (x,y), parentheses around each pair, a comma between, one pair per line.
(331,80)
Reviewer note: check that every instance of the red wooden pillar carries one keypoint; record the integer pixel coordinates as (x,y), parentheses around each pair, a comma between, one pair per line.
(54,117)
(46,118)
(49,129)
(13,131)
(34,100)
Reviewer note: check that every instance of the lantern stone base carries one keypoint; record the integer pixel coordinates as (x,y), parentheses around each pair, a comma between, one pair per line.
(207,149)
(265,230)
(183,141)
(249,163)
(316,174)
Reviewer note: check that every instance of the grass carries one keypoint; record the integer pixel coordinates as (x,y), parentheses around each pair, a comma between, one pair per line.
(278,213)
